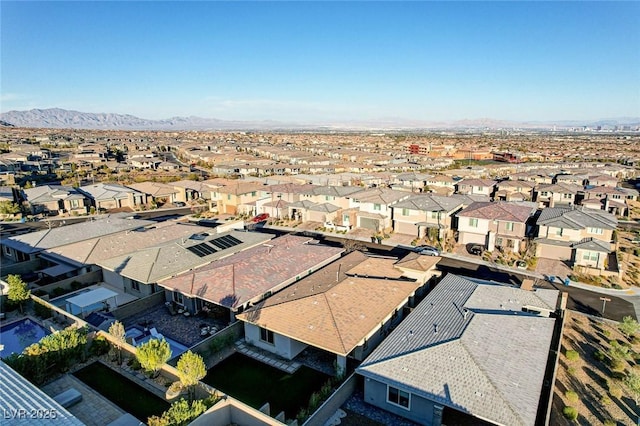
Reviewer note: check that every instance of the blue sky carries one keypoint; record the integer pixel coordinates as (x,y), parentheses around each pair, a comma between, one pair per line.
(324,61)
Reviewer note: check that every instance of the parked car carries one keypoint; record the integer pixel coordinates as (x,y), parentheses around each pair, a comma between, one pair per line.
(179,204)
(261,217)
(476,249)
(427,250)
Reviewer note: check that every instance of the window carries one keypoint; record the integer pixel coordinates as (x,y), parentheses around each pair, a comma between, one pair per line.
(228,196)
(398,397)
(135,285)
(405,212)
(7,250)
(595,231)
(588,255)
(499,242)
(75,204)
(266,335)
(544,194)
(177,297)
(509,226)
(567,196)
(434,215)
(376,206)
(558,232)
(473,222)
(253,194)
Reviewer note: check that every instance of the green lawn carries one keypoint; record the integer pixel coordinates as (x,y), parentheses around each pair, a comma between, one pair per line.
(255,383)
(123,392)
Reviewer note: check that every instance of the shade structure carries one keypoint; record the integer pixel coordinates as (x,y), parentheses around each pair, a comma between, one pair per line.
(89,301)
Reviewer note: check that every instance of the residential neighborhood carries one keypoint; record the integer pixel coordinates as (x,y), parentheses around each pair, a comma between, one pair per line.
(383,284)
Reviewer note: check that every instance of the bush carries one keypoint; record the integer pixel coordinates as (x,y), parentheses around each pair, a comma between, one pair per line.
(571,396)
(134,364)
(617,365)
(599,355)
(571,371)
(570,413)
(42,311)
(615,391)
(58,291)
(99,346)
(610,422)
(572,355)
(605,400)
(75,285)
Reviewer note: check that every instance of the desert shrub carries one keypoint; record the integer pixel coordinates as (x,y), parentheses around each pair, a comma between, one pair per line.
(607,333)
(99,346)
(572,355)
(615,391)
(599,355)
(571,371)
(610,422)
(570,413)
(571,396)
(605,400)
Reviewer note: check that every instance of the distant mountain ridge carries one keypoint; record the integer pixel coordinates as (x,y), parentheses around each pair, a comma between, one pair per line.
(66,119)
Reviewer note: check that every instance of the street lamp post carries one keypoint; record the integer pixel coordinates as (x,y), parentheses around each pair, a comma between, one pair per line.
(604,303)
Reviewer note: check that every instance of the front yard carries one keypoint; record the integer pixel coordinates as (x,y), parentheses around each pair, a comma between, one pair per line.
(593,373)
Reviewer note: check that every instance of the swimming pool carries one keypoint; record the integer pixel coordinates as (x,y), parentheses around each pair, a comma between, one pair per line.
(139,336)
(15,337)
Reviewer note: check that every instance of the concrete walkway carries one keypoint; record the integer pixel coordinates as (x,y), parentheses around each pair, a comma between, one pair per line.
(267,357)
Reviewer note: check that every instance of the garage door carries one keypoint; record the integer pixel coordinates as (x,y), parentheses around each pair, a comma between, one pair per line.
(368,223)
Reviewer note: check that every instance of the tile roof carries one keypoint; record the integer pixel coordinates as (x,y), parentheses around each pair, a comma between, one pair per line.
(335,316)
(55,237)
(429,203)
(106,247)
(572,218)
(155,189)
(46,193)
(418,262)
(498,211)
(468,346)
(477,182)
(593,244)
(153,264)
(17,393)
(238,279)
(380,196)
(107,191)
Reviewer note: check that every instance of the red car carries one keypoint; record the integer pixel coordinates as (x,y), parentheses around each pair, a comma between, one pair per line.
(261,217)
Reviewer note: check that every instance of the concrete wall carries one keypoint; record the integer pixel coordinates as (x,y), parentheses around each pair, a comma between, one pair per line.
(334,402)
(421,410)
(138,305)
(233,333)
(88,278)
(113,278)
(21,268)
(230,411)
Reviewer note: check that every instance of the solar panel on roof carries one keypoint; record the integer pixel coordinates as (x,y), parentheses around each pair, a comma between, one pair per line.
(202,249)
(225,242)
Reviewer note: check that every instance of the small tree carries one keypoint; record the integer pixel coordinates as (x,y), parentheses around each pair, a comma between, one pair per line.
(18,290)
(153,354)
(633,383)
(629,327)
(117,331)
(570,413)
(191,369)
(7,207)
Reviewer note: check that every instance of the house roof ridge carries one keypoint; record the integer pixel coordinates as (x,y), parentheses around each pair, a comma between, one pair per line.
(333,321)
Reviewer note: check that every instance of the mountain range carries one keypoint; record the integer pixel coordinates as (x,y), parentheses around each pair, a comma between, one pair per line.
(67,119)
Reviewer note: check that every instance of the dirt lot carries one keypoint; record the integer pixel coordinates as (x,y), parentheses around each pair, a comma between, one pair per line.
(603,398)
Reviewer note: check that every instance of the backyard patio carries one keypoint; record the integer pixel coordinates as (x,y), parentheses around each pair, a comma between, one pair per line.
(187,330)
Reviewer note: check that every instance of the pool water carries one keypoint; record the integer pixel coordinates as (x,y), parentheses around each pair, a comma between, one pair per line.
(140,337)
(15,337)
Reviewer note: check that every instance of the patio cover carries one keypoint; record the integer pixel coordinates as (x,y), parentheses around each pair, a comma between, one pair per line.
(91,297)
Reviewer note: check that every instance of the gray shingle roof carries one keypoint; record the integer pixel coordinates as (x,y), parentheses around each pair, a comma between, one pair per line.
(17,393)
(61,235)
(593,244)
(489,362)
(577,218)
(430,203)
(153,264)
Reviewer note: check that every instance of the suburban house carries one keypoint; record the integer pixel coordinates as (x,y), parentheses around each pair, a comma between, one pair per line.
(85,255)
(277,199)
(495,224)
(514,190)
(579,235)
(345,308)
(374,207)
(148,266)
(556,195)
(476,187)
(55,199)
(422,215)
(602,180)
(466,355)
(571,179)
(110,196)
(247,277)
(610,199)
(237,197)
(441,182)
(189,190)
(20,248)
(157,192)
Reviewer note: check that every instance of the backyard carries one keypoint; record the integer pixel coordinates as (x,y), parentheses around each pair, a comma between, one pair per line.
(126,394)
(593,374)
(255,384)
